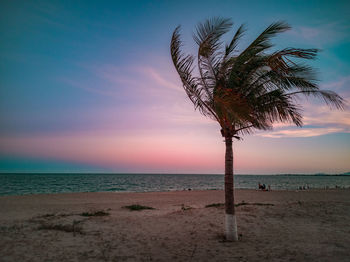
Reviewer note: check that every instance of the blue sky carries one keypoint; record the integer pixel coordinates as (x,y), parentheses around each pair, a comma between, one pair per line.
(89,85)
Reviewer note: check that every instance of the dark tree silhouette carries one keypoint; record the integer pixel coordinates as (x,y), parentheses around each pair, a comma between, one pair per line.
(246,90)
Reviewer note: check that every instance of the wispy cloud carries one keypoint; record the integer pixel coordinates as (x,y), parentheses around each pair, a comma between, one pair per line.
(341,85)
(156,94)
(322,34)
(309,33)
(136,80)
(161,79)
(302,132)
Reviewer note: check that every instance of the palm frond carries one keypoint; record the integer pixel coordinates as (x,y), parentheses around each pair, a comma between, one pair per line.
(208,34)
(207,37)
(256,48)
(184,66)
(329,97)
(233,44)
(280,60)
(262,42)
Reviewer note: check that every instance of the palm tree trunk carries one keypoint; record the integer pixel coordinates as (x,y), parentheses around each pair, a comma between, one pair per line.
(230,217)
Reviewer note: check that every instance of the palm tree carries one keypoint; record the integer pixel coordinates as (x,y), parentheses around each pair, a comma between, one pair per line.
(247,90)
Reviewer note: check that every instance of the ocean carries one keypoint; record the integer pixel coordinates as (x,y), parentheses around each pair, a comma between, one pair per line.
(20,184)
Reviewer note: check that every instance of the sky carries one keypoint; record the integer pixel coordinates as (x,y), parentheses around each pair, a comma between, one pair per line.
(89,86)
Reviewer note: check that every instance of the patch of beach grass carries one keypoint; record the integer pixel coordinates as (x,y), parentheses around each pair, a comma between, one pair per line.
(47,215)
(99,213)
(54,215)
(12,228)
(137,207)
(69,228)
(239,204)
(215,205)
(253,204)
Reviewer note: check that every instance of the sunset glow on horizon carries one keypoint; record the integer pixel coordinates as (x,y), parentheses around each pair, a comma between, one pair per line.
(90,87)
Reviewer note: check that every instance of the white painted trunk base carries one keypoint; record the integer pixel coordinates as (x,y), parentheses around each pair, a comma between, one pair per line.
(231,227)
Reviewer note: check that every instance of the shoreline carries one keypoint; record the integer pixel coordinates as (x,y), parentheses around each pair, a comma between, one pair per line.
(43,184)
(273,226)
(184,190)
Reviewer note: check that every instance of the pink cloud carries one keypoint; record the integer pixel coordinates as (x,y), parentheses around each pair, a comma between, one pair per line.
(303,132)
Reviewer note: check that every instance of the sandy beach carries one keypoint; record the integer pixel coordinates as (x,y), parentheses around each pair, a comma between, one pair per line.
(273,226)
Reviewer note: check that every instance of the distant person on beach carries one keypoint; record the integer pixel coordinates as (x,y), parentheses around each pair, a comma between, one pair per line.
(263,187)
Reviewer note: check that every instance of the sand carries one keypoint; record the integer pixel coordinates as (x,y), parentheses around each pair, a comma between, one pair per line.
(309,225)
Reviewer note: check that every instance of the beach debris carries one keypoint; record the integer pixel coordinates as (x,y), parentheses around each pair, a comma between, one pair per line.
(193,251)
(184,208)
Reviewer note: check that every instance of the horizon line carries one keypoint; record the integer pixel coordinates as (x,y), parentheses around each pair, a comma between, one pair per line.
(161,173)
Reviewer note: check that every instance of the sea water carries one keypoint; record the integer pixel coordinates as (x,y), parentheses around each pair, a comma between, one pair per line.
(19,184)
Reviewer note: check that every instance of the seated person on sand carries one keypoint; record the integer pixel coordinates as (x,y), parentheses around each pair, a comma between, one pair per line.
(262,187)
